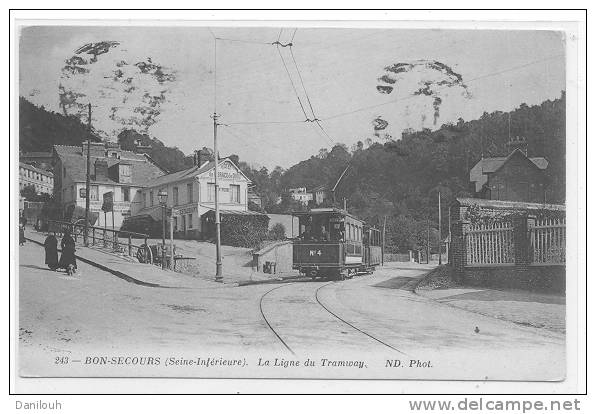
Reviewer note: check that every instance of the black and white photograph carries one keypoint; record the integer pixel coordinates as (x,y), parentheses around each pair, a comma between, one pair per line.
(294,200)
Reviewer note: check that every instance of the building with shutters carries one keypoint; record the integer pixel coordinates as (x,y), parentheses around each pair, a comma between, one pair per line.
(40,179)
(124,173)
(191,195)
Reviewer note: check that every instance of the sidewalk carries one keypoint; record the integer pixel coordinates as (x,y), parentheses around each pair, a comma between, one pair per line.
(539,310)
(129,269)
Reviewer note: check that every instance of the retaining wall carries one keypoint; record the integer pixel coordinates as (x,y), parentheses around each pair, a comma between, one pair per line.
(278,252)
(535,278)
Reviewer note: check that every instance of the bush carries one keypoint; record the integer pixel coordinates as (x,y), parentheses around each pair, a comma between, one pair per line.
(277,232)
(244,231)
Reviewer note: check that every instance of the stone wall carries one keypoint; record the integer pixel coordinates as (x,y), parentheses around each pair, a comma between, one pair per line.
(525,273)
(289,222)
(536,278)
(278,252)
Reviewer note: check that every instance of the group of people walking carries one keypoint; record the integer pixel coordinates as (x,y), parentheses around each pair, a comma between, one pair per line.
(68,260)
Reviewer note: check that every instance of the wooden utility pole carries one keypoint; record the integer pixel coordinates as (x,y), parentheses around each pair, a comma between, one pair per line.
(172,267)
(450,239)
(88,179)
(383,242)
(218,275)
(440,237)
(427,241)
(164,209)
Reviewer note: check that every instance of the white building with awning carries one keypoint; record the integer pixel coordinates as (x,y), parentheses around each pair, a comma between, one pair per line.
(191,194)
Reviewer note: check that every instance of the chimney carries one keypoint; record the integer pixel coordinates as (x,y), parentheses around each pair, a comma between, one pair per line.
(101,170)
(97,149)
(200,157)
(518,143)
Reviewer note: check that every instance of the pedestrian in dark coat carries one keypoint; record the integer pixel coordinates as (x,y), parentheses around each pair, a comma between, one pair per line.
(22,231)
(51,248)
(68,252)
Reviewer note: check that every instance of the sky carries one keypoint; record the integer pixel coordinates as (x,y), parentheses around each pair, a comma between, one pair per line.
(258,89)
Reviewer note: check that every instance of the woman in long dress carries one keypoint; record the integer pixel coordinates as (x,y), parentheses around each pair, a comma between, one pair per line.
(22,222)
(68,260)
(51,248)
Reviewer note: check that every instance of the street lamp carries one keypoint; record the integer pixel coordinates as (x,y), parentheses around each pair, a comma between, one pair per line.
(162,196)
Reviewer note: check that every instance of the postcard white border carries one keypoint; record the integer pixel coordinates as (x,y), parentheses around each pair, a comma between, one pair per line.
(576,148)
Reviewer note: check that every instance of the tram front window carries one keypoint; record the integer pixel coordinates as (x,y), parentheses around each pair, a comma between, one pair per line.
(321,228)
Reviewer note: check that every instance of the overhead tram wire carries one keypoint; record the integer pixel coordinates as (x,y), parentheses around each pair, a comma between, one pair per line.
(254,42)
(315,118)
(245,136)
(488,75)
(214,70)
(243,140)
(265,122)
(292,83)
(277,44)
(321,48)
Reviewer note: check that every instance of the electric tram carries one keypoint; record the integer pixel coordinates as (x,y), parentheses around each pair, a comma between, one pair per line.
(335,244)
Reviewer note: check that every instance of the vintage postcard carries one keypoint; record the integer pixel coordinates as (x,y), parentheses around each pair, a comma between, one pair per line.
(294,201)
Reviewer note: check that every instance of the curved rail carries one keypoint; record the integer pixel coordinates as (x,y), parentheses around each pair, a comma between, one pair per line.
(327,310)
(267,322)
(349,324)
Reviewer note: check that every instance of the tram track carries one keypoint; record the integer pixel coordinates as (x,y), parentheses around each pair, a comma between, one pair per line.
(350,324)
(267,321)
(327,309)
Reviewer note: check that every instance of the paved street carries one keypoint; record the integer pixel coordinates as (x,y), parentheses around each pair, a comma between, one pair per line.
(371,319)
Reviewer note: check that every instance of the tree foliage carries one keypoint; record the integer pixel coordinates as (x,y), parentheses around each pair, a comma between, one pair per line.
(40,130)
(401,178)
(170,158)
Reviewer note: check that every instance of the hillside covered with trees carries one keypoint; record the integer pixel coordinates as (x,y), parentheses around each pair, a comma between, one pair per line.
(397,178)
(40,130)
(401,178)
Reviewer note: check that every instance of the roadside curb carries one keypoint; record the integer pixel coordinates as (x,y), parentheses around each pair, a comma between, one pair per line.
(288,279)
(438,301)
(116,273)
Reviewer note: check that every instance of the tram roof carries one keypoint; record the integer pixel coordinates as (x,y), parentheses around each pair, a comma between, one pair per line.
(325,210)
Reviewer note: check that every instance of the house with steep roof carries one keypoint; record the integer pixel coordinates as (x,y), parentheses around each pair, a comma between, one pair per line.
(516,177)
(123,173)
(191,196)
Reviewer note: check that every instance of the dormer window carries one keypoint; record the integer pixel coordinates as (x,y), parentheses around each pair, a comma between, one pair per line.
(124,170)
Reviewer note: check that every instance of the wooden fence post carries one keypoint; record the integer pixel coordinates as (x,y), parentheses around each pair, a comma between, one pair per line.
(129,245)
(521,240)
(93,239)
(458,249)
